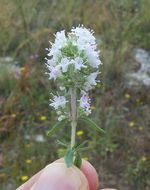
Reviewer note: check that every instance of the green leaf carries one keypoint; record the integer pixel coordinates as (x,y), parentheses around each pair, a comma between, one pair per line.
(56,127)
(62,143)
(92,124)
(84,149)
(78,160)
(78,146)
(69,158)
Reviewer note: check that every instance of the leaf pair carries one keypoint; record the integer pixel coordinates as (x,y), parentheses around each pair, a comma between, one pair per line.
(73,157)
(92,124)
(87,120)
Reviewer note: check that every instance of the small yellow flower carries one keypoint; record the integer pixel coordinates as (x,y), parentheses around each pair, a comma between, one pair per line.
(132,124)
(80,133)
(85,158)
(93,107)
(32,118)
(144,158)
(138,100)
(2,175)
(43,118)
(141,128)
(28,161)
(13,115)
(127,96)
(28,145)
(22,69)
(24,178)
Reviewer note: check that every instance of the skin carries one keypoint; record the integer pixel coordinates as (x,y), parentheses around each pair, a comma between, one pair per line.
(89,172)
(63,178)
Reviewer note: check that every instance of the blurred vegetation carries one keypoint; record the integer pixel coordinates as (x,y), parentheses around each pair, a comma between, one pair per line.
(122,156)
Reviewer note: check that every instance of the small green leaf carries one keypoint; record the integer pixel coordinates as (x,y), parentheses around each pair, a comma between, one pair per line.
(56,127)
(92,124)
(84,149)
(78,146)
(69,158)
(62,143)
(78,160)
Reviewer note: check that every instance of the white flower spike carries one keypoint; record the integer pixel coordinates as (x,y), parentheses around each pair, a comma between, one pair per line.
(73,60)
(73,63)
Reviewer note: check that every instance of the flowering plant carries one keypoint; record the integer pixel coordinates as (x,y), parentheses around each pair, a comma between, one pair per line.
(73,63)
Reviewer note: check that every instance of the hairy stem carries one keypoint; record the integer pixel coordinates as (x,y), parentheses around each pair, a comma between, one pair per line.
(73,114)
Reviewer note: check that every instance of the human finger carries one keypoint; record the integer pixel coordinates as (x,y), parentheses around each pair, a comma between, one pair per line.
(89,172)
(59,177)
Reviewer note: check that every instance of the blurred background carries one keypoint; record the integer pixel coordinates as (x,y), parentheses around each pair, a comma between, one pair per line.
(120,104)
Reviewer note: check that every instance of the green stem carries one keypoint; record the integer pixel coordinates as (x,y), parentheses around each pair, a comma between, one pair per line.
(73,133)
(73,114)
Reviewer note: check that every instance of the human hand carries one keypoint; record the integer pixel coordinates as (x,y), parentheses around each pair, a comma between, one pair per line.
(56,176)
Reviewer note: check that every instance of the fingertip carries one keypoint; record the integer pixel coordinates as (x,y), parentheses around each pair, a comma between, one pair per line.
(91,174)
(89,171)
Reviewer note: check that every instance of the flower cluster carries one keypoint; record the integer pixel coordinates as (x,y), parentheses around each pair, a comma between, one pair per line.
(73,61)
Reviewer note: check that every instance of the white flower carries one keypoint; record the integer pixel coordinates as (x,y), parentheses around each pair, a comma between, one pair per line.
(50,62)
(54,71)
(59,112)
(84,37)
(70,54)
(64,64)
(62,88)
(87,42)
(60,41)
(78,63)
(91,81)
(60,118)
(58,101)
(85,103)
(93,57)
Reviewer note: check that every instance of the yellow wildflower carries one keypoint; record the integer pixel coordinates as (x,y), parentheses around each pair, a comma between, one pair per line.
(93,107)
(132,124)
(144,158)
(24,178)
(85,158)
(2,175)
(43,118)
(80,133)
(13,115)
(138,101)
(28,161)
(32,118)
(22,69)
(127,96)
(141,128)
(28,145)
